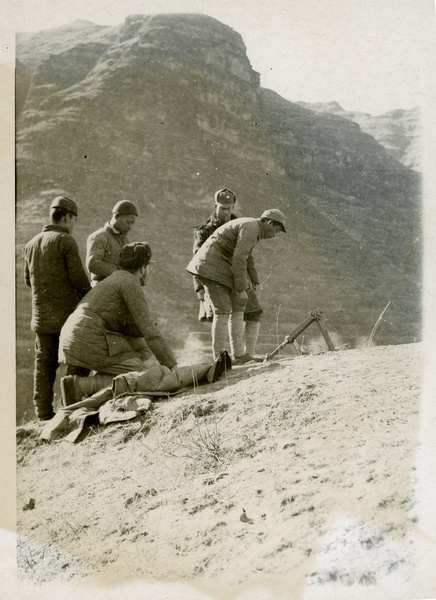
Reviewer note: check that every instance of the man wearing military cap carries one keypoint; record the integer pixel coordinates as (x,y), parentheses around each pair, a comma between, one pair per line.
(225,201)
(103,246)
(54,272)
(225,266)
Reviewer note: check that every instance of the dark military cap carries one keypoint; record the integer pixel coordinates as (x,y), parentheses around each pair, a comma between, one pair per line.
(225,197)
(125,207)
(64,202)
(276,215)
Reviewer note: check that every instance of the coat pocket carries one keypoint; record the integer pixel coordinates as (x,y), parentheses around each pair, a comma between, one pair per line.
(116,343)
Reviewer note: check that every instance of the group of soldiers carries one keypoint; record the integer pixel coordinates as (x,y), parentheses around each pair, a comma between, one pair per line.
(103,328)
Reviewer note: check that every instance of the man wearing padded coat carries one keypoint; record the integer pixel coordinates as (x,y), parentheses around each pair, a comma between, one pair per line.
(225,267)
(54,272)
(112,332)
(103,246)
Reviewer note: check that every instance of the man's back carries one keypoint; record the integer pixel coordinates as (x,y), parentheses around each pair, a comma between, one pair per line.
(226,255)
(244,230)
(54,272)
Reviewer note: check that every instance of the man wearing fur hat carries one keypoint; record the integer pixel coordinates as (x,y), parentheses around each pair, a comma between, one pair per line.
(225,266)
(225,201)
(94,337)
(103,246)
(54,272)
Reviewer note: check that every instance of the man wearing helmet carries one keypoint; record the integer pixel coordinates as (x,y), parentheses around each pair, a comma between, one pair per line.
(103,246)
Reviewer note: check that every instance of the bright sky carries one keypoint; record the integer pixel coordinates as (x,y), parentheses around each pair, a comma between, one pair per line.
(368,55)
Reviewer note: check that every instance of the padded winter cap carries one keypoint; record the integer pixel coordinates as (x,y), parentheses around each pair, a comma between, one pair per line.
(64,202)
(274,214)
(125,207)
(225,197)
(134,256)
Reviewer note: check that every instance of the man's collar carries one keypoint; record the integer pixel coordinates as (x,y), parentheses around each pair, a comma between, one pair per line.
(261,228)
(55,227)
(113,229)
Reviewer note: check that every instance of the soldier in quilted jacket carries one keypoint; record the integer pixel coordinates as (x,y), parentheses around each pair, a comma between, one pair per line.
(103,246)
(111,331)
(224,203)
(54,272)
(225,266)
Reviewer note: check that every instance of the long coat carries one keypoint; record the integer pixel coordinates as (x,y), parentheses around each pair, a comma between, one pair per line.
(54,272)
(226,256)
(95,336)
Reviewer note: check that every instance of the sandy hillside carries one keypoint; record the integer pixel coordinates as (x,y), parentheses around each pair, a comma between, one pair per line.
(299,478)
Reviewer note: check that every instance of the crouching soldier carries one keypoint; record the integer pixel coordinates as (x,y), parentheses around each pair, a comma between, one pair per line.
(112,332)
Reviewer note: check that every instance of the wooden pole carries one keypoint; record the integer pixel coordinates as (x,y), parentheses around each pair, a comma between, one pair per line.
(314,315)
(325,333)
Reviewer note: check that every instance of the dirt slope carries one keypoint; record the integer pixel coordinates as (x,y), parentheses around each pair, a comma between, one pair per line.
(293,479)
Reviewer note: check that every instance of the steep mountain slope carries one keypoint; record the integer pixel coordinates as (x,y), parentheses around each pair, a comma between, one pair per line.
(163,111)
(399,131)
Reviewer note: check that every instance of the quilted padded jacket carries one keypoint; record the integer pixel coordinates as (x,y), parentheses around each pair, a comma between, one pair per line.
(54,272)
(226,256)
(94,336)
(103,249)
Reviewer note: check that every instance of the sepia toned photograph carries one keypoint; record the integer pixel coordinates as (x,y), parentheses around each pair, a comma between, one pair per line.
(222,272)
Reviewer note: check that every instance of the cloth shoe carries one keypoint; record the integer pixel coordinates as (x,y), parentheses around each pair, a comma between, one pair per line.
(222,364)
(73,388)
(245,358)
(46,417)
(68,390)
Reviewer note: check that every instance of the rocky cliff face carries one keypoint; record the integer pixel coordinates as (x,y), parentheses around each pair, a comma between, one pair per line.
(399,130)
(163,111)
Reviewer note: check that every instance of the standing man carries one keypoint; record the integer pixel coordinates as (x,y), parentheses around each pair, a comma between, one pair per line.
(225,266)
(103,247)
(225,201)
(54,272)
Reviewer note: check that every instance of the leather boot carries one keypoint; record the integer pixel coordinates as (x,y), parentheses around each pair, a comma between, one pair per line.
(73,387)
(219,334)
(236,332)
(251,335)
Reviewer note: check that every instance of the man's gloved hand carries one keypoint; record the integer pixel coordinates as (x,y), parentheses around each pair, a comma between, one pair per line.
(200,294)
